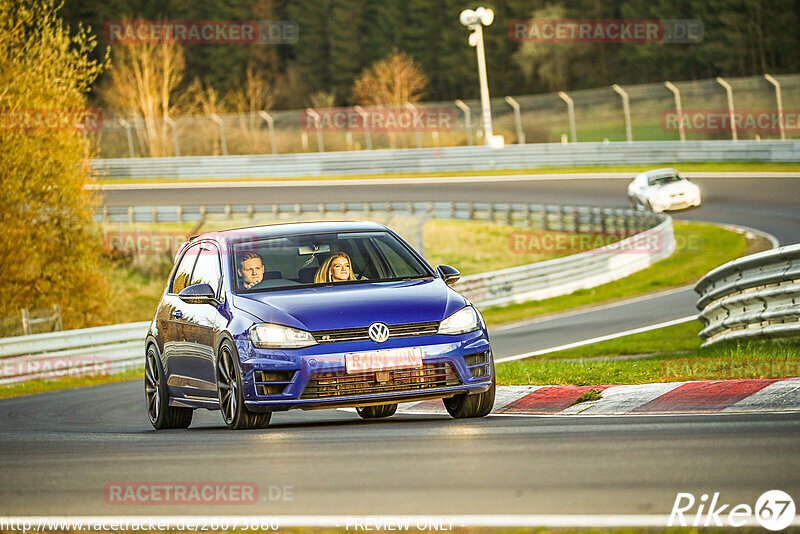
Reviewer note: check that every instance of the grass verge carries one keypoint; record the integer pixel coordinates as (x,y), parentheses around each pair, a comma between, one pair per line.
(747,166)
(686,360)
(40,386)
(700,247)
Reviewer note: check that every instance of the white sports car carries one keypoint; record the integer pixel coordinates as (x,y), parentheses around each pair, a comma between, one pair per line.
(662,189)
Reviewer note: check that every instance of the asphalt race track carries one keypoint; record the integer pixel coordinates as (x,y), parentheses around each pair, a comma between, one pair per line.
(60,451)
(769,204)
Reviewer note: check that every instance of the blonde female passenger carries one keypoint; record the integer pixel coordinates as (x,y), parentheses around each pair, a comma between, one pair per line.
(335,269)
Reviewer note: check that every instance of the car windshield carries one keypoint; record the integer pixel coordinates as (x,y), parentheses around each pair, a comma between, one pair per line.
(664,180)
(271,264)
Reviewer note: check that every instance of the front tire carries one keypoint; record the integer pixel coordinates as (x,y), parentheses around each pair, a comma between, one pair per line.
(376,412)
(476,405)
(160,413)
(231,396)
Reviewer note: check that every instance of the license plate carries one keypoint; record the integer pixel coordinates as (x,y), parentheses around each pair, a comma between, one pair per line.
(379,360)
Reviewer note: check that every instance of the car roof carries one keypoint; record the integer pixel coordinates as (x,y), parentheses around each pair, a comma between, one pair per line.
(285,229)
(656,173)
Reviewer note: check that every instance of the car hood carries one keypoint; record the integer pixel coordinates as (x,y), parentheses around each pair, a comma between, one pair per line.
(351,306)
(674,188)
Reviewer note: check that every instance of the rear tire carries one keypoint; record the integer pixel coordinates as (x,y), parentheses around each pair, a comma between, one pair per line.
(230,393)
(376,412)
(160,413)
(475,405)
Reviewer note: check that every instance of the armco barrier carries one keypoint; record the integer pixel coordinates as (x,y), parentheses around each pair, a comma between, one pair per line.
(753,297)
(447,159)
(118,347)
(99,350)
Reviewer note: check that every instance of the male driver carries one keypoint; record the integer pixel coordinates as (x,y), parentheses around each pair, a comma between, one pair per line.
(251,270)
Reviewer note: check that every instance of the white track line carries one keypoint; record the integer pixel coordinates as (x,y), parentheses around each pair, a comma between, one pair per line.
(597,339)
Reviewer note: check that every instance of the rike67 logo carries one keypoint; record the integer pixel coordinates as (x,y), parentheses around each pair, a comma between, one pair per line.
(774,510)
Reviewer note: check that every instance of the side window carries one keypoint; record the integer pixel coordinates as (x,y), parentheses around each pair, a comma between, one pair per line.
(206,270)
(184,270)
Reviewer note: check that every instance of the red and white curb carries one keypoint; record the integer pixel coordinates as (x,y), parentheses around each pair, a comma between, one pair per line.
(704,396)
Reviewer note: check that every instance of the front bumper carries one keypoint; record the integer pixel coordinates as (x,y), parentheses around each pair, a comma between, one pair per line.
(315,377)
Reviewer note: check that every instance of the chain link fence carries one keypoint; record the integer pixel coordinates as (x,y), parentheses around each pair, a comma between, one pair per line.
(598,116)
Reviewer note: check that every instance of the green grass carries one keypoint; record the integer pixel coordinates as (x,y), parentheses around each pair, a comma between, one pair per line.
(700,247)
(685,360)
(478,247)
(40,386)
(686,167)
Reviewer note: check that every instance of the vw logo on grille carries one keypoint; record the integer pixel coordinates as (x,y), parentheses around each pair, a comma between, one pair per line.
(378,332)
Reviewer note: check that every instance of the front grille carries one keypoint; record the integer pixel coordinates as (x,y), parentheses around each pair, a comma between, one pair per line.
(342,384)
(360,334)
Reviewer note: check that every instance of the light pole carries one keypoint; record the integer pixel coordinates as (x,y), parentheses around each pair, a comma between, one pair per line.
(475,21)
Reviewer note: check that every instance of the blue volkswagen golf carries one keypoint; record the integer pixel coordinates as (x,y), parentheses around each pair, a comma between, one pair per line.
(311,315)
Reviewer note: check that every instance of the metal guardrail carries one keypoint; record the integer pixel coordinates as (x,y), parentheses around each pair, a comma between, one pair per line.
(561,276)
(100,350)
(754,297)
(118,347)
(447,159)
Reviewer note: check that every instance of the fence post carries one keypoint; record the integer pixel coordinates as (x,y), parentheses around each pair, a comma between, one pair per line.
(127,126)
(571,112)
(413,109)
(320,141)
(678,108)
(467,120)
(729,91)
(223,143)
(174,127)
(367,133)
(517,120)
(777,85)
(626,110)
(57,324)
(271,124)
(26,323)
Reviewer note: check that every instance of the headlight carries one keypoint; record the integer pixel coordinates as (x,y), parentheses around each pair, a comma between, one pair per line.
(464,320)
(275,336)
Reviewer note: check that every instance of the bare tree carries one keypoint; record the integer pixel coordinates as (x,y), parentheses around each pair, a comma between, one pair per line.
(396,80)
(143,82)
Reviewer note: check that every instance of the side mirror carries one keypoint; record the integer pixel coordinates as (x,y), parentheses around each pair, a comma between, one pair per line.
(450,275)
(199,294)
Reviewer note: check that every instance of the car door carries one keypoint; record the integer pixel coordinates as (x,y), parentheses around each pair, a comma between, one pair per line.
(171,323)
(201,323)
